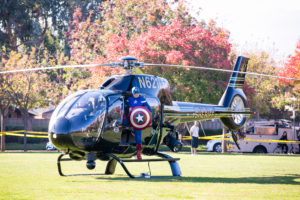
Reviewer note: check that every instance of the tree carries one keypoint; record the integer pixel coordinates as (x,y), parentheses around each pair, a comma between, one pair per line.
(27,91)
(263,89)
(291,70)
(35,22)
(88,39)
(5,102)
(181,43)
(23,22)
(187,44)
(158,35)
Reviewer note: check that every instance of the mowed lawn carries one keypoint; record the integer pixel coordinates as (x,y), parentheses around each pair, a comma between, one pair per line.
(206,176)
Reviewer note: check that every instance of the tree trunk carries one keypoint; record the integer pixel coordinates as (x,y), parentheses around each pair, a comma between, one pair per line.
(2,130)
(25,131)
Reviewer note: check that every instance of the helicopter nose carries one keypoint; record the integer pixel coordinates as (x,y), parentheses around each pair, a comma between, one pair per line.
(59,133)
(62,126)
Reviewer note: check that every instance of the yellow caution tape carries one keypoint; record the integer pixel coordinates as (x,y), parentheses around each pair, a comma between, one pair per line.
(22,131)
(36,132)
(21,134)
(277,141)
(12,132)
(245,139)
(37,136)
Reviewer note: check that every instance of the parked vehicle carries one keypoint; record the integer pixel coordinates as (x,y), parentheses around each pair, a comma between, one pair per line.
(50,147)
(264,133)
(215,145)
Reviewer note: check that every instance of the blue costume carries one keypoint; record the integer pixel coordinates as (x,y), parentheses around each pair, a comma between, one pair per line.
(133,102)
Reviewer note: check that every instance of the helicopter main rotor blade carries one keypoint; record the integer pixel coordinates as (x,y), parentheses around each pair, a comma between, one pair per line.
(55,67)
(222,70)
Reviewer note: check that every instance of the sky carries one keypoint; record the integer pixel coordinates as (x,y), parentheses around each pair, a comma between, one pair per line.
(269,25)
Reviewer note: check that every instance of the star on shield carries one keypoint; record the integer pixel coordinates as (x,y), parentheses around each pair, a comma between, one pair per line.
(139,118)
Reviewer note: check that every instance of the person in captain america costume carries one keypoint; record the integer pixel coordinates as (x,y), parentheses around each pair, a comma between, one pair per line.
(137,100)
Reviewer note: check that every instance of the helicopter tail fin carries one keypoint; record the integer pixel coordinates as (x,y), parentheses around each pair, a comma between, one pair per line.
(234,97)
(237,79)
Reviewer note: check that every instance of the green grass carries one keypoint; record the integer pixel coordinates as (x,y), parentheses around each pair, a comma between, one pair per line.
(206,176)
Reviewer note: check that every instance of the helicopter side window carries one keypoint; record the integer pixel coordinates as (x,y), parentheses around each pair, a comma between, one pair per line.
(115,111)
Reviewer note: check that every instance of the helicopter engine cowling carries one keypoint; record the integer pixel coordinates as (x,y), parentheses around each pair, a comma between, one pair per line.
(171,139)
(174,144)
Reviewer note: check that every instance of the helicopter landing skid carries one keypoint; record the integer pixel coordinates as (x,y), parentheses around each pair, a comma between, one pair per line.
(111,165)
(164,157)
(60,159)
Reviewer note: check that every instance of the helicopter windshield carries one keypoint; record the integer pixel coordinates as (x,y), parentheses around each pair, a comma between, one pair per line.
(84,110)
(89,104)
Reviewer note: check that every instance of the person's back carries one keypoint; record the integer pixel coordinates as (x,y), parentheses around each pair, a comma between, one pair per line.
(283,146)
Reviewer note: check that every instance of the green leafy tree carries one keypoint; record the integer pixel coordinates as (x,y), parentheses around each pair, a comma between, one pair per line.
(292,94)
(26,91)
(35,22)
(261,91)
(5,102)
(158,35)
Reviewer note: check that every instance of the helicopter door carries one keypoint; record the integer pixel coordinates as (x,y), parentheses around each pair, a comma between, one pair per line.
(114,117)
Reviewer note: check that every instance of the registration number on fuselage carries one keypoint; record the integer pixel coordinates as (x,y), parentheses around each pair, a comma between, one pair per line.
(148,82)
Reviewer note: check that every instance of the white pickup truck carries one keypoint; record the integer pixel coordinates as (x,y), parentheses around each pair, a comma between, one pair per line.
(262,133)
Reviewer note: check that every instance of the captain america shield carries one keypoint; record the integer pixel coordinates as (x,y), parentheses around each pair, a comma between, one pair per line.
(140,117)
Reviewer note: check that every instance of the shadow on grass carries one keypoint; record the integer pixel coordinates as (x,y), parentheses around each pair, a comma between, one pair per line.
(288,179)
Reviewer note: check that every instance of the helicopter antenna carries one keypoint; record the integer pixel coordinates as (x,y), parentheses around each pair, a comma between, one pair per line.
(217,69)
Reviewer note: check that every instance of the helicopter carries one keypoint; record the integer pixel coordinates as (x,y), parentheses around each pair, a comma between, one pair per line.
(89,124)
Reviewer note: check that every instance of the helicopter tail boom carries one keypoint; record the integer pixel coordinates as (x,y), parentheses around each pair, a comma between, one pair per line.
(231,110)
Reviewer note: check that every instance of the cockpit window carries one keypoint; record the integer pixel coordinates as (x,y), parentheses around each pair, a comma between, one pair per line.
(65,105)
(88,104)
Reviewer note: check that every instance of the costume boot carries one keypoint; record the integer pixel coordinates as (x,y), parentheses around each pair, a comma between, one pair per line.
(138,151)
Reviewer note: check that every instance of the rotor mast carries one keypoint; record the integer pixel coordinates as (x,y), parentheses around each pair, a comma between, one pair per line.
(128,63)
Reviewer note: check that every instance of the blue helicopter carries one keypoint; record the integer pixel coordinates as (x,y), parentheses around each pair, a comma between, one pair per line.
(89,124)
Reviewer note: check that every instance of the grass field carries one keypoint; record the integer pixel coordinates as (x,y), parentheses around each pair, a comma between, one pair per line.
(206,176)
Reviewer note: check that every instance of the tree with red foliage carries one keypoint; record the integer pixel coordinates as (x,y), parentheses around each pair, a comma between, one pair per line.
(165,36)
(184,44)
(292,70)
